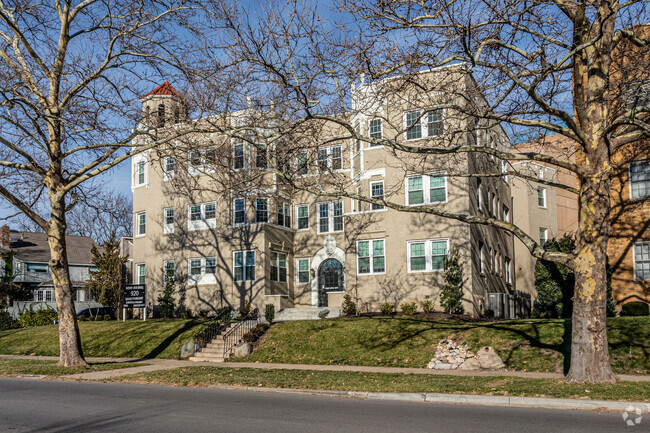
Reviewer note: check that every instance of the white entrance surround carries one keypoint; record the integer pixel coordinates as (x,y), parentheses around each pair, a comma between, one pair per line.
(329,251)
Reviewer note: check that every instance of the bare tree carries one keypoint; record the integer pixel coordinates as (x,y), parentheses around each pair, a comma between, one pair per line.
(565,67)
(102,215)
(70,77)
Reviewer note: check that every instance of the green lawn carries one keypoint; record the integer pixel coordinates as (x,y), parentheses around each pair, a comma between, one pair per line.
(381,382)
(131,339)
(526,345)
(12,367)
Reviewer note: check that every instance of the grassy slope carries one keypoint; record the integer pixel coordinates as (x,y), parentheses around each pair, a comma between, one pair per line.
(527,345)
(12,367)
(131,339)
(378,382)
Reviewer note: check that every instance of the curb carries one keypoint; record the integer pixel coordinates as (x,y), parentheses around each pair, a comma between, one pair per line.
(480,400)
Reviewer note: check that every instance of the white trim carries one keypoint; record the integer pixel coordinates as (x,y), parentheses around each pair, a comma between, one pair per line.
(298,270)
(168,228)
(286,267)
(203,278)
(426,188)
(202,223)
(244,265)
(297,217)
(629,179)
(330,217)
(137,224)
(634,260)
(541,188)
(371,256)
(428,254)
(383,194)
(423,123)
(137,272)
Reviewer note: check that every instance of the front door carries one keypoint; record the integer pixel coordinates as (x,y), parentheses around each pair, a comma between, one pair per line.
(330,279)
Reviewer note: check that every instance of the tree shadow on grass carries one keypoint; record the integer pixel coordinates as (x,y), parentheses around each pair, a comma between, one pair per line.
(168,341)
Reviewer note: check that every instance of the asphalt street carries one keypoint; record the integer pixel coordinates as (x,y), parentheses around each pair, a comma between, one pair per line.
(65,406)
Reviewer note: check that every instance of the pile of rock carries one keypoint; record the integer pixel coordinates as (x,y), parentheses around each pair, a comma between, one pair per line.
(452,356)
(449,355)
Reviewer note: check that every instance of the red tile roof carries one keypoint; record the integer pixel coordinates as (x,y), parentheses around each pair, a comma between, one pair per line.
(164,89)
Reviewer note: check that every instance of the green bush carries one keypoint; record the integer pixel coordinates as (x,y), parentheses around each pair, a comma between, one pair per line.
(323,313)
(245,309)
(635,309)
(255,333)
(387,309)
(187,314)
(488,314)
(41,317)
(427,306)
(408,308)
(204,313)
(349,307)
(6,321)
(107,317)
(166,302)
(451,295)
(269,313)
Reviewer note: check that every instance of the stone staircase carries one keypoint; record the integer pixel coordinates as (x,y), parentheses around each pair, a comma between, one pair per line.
(309,313)
(213,352)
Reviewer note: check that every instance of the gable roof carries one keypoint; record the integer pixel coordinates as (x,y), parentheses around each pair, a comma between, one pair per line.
(33,247)
(165,89)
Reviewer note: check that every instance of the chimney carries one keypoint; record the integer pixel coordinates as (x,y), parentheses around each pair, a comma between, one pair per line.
(4,237)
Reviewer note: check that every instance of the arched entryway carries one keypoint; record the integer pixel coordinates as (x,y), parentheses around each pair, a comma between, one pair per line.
(330,279)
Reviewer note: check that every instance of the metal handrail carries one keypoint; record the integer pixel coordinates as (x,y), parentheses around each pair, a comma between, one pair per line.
(235,334)
(212,329)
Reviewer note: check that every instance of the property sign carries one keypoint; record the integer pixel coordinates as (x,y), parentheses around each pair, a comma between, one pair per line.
(135,296)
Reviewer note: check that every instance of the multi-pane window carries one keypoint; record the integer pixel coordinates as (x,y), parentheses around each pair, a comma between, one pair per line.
(239,211)
(426,190)
(640,179)
(418,125)
(642,261)
(377,193)
(371,257)
(506,214)
(44,295)
(261,157)
(170,165)
(261,210)
(330,158)
(140,173)
(428,255)
(238,156)
(543,235)
(202,266)
(37,267)
(210,265)
(284,215)
(481,256)
(278,267)
(508,271)
(541,197)
(330,217)
(358,201)
(140,273)
(210,211)
(302,271)
(169,270)
(195,158)
(195,266)
(302,212)
(140,224)
(168,220)
(195,212)
(374,130)
(244,265)
(202,216)
(302,163)
(357,141)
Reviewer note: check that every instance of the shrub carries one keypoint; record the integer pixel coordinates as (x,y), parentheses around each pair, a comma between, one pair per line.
(451,294)
(408,308)
(635,309)
(6,321)
(166,302)
(488,314)
(387,309)
(349,307)
(107,317)
(81,318)
(244,309)
(41,317)
(98,318)
(269,313)
(427,306)
(204,313)
(255,333)
(187,314)
(323,313)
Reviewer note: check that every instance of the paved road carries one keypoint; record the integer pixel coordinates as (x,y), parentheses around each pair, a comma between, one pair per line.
(65,406)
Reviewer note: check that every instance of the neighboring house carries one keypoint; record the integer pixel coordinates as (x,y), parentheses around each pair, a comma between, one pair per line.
(31,256)
(126,250)
(265,242)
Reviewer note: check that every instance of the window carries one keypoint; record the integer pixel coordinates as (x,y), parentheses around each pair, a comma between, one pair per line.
(374,130)
(244,265)
(195,158)
(541,197)
(140,273)
(302,271)
(330,217)
(543,235)
(428,255)
(261,157)
(239,211)
(504,170)
(201,161)
(195,212)
(303,216)
(202,270)
(202,216)
(169,271)
(357,141)
(140,224)
(506,214)
(140,173)
(210,211)
(359,201)
(481,254)
(330,158)
(262,210)
(284,215)
(195,267)
(642,261)
(210,265)
(426,190)
(238,156)
(278,267)
(428,125)
(508,271)
(44,295)
(495,262)
(479,193)
(168,220)
(40,268)
(640,179)
(491,203)
(371,257)
(377,193)
(302,163)
(170,166)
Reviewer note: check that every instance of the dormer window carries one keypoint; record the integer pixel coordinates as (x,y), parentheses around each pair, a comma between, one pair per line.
(161,115)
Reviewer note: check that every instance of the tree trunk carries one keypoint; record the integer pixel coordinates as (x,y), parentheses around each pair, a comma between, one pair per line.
(70,351)
(589,348)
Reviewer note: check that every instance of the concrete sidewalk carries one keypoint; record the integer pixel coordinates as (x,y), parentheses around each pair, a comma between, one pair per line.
(167,364)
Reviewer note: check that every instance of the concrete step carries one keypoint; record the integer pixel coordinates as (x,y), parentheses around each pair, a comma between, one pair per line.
(205,358)
(212,350)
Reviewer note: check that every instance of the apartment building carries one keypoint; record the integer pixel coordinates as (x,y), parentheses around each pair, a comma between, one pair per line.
(273,219)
